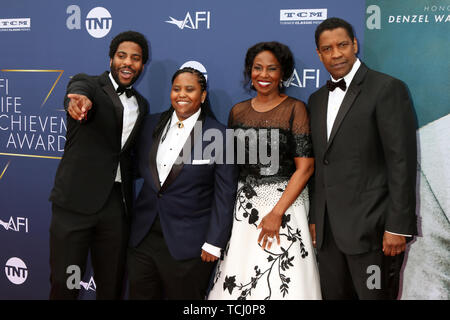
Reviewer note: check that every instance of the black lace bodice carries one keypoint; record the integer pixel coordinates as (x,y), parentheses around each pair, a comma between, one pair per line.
(291,119)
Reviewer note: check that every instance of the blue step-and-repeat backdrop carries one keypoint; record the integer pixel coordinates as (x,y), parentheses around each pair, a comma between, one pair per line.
(44,43)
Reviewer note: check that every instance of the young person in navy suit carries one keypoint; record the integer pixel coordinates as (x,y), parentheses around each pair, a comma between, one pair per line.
(183,214)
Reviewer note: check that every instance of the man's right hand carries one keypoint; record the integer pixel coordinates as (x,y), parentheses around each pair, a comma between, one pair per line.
(79,105)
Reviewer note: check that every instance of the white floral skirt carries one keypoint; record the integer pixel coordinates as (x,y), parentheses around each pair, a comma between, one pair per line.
(286,271)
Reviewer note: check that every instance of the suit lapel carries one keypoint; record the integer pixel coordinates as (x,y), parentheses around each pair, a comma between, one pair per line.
(153,168)
(347,103)
(118,108)
(194,137)
(322,116)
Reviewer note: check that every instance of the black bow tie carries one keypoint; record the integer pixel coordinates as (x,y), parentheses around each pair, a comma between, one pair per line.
(331,85)
(128,91)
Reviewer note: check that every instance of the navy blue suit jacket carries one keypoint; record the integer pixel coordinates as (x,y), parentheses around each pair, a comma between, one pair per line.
(196,202)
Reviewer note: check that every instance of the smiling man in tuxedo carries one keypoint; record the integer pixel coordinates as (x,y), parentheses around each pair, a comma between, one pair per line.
(93,185)
(363,200)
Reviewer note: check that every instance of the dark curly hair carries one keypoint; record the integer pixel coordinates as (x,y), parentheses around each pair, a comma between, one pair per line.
(279,50)
(206,108)
(331,24)
(132,36)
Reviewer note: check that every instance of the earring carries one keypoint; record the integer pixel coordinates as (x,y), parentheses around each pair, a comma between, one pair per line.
(281,84)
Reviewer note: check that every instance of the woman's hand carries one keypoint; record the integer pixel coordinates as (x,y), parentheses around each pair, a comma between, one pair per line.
(270,226)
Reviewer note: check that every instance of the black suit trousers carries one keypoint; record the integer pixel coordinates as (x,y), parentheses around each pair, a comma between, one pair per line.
(367,276)
(155,275)
(105,234)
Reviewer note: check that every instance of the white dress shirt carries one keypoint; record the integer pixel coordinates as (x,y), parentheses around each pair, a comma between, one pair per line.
(335,99)
(130,114)
(168,152)
(336,96)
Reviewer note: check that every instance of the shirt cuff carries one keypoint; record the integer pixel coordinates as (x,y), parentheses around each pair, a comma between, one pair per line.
(399,234)
(215,251)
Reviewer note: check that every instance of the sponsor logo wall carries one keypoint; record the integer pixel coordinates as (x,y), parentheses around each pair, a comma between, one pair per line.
(45,43)
(411,43)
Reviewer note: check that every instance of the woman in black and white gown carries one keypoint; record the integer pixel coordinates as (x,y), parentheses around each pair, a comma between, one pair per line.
(270,253)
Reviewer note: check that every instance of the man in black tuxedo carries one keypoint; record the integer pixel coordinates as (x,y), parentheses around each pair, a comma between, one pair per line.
(363,200)
(91,198)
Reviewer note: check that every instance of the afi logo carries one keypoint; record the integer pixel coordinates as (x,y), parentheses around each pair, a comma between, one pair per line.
(200,17)
(89,285)
(98,20)
(308,76)
(18,224)
(16,270)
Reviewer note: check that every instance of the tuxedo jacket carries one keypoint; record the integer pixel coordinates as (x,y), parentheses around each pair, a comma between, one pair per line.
(196,201)
(365,174)
(88,168)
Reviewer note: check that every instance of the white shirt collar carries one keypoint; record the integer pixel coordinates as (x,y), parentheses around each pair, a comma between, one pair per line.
(349,77)
(189,122)
(114,83)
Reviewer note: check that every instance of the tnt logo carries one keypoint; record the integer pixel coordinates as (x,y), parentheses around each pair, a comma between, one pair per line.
(98,20)
(15,224)
(196,65)
(198,19)
(16,271)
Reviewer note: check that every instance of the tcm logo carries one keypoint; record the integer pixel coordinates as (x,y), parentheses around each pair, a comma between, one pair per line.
(196,65)
(98,20)
(197,20)
(16,270)
(15,224)
(309,77)
(74,279)
(18,24)
(302,16)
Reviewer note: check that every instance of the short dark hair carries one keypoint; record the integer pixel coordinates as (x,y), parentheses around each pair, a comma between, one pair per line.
(331,24)
(200,77)
(279,50)
(132,36)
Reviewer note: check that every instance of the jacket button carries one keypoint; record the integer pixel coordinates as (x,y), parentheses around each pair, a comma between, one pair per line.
(325,162)
(159,195)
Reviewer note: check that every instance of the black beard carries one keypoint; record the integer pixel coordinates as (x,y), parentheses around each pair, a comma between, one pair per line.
(115,75)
